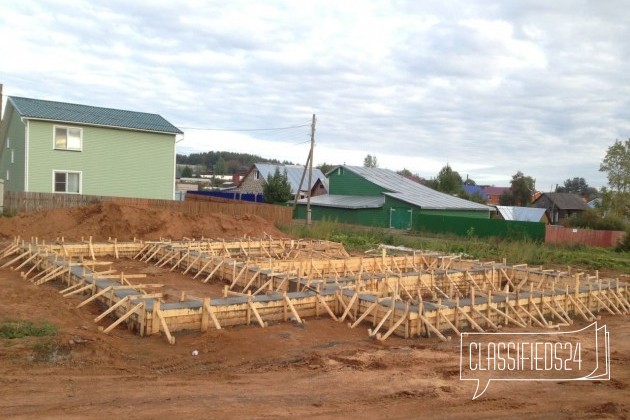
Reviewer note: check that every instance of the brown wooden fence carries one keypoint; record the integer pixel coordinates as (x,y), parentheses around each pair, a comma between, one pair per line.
(602,238)
(19,202)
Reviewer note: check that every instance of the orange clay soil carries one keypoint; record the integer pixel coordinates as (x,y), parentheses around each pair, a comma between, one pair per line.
(321,370)
(106,219)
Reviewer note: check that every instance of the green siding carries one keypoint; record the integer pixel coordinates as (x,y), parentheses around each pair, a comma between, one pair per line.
(364,217)
(113,162)
(392,202)
(16,134)
(458,225)
(345,182)
(349,183)
(475,214)
(380,217)
(464,226)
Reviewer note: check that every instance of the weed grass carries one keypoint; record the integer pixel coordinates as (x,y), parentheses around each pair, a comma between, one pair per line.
(359,238)
(23,328)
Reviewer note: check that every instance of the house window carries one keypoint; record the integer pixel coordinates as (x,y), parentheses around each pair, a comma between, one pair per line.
(68,138)
(67,182)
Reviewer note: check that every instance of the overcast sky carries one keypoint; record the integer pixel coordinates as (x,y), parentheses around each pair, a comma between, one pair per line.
(491,88)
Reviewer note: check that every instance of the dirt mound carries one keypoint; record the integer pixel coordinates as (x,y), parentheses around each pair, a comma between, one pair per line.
(107,219)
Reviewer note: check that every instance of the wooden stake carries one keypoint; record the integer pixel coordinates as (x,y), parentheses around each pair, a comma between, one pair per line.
(169,337)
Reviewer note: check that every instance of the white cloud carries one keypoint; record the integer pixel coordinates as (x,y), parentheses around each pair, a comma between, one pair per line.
(489,87)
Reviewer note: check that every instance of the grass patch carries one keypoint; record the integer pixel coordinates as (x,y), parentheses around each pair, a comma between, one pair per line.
(23,328)
(360,238)
(48,350)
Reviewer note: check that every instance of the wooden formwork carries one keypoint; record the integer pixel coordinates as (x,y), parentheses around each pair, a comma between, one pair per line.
(542,308)
(406,295)
(145,312)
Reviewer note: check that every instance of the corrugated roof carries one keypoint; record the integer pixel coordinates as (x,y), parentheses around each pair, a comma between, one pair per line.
(294,174)
(346,201)
(411,192)
(91,115)
(565,201)
(521,214)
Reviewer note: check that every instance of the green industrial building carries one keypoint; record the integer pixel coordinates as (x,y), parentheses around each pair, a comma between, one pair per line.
(382,198)
(57,147)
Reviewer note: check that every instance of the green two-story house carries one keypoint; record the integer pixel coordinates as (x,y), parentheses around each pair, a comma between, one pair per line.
(58,147)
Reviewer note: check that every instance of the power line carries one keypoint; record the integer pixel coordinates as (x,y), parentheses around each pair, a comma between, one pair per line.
(246,129)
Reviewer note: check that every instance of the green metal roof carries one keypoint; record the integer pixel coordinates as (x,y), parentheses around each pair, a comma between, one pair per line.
(91,115)
(411,192)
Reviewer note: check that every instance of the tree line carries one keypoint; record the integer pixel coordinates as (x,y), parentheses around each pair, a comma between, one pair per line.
(224,163)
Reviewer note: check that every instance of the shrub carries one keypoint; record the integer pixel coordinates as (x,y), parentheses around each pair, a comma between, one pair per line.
(591,219)
(624,244)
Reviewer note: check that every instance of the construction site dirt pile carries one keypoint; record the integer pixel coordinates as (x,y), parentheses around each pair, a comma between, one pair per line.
(112,220)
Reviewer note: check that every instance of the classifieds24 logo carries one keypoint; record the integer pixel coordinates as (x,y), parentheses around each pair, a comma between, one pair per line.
(581,355)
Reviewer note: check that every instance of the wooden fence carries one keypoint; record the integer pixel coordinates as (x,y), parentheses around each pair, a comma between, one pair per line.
(603,238)
(20,202)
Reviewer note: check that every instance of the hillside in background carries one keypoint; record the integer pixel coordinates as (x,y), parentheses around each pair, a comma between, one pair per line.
(225,162)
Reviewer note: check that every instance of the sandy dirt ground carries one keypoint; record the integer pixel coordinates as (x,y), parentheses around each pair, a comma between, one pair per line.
(124,222)
(321,370)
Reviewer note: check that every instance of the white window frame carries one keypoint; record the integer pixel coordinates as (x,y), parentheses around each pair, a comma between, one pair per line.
(59,171)
(67,127)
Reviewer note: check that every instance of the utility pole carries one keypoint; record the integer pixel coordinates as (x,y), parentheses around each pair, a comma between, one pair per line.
(310,173)
(297,194)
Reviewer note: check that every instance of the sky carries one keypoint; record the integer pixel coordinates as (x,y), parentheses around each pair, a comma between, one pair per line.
(488,87)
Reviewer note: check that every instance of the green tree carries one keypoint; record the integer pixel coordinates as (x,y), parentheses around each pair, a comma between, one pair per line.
(431,183)
(370,162)
(449,181)
(579,186)
(277,189)
(506,199)
(522,187)
(574,185)
(324,167)
(616,164)
(405,172)
(616,203)
(220,168)
(187,172)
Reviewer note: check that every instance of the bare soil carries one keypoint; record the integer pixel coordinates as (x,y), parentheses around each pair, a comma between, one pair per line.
(112,220)
(321,370)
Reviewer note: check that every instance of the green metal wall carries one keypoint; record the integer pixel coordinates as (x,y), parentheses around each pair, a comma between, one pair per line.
(345,182)
(475,214)
(15,132)
(464,226)
(392,202)
(113,162)
(364,217)
(442,224)
(380,216)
